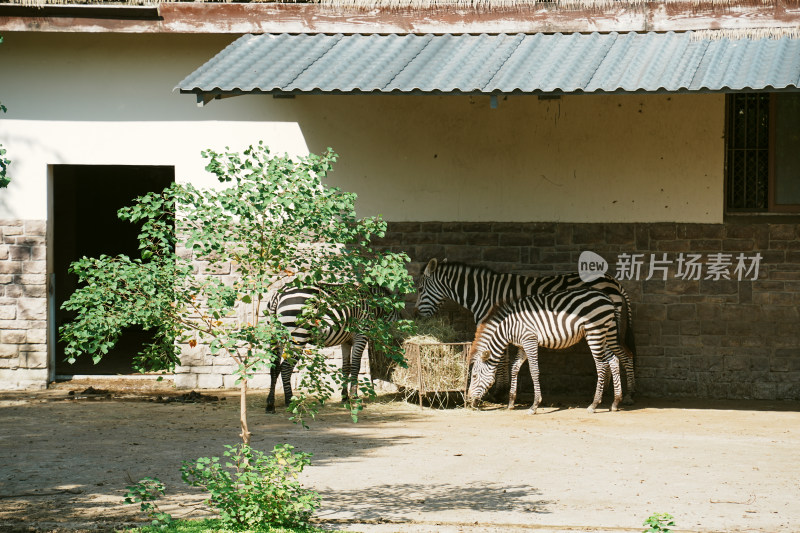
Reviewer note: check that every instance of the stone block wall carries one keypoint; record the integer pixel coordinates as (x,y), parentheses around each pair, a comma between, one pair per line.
(200,369)
(710,337)
(23,304)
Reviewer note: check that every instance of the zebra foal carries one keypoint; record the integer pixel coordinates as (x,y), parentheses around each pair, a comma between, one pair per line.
(554,320)
(288,305)
(479,289)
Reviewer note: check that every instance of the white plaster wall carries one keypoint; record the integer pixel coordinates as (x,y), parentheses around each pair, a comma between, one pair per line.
(582,158)
(33,145)
(109,99)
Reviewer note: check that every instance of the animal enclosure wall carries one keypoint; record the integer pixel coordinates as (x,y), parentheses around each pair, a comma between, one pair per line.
(710,337)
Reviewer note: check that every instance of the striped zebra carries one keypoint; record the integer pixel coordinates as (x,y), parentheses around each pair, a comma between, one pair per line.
(479,289)
(554,320)
(288,305)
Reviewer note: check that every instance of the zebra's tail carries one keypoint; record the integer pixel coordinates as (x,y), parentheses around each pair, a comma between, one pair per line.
(629,342)
(272,301)
(624,315)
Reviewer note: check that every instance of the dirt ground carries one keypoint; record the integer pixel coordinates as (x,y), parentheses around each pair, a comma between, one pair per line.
(65,460)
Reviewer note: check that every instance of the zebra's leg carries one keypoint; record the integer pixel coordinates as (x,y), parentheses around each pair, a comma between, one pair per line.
(626,359)
(346,350)
(273,380)
(502,380)
(615,378)
(626,363)
(359,345)
(512,391)
(531,348)
(597,341)
(623,346)
(602,369)
(287,368)
(629,348)
(604,363)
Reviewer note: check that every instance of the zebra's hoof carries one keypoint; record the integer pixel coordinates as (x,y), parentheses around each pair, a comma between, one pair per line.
(614,408)
(531,411)
(590,409)
(270,409)
(627,401)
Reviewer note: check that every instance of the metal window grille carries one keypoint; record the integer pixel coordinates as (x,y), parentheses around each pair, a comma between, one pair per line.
(747,151)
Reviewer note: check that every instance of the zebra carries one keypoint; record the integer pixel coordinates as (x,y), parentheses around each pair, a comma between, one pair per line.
(479,289)
(555,320)
(288,304)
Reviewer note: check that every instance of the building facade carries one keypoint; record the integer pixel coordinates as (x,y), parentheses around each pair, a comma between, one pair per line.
(520,182)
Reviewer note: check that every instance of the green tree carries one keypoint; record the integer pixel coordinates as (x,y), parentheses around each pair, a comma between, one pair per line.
(271,223)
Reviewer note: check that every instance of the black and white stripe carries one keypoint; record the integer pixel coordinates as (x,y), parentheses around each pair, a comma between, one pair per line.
(335,328)
(553,320)
(479,289)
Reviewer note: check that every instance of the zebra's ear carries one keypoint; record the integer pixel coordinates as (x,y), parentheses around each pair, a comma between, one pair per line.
(431,266)
(486,355)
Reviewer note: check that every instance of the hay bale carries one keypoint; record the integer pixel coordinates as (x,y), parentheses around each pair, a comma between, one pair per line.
(441,364)
(433,330)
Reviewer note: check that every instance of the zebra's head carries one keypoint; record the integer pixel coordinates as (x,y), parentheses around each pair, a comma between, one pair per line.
(482,375)
(484,367)
(431,292)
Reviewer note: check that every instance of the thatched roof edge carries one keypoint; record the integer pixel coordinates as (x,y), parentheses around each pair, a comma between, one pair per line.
(747,33)
(429,4)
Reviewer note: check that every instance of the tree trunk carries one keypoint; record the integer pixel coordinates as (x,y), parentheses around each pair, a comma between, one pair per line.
(243,412)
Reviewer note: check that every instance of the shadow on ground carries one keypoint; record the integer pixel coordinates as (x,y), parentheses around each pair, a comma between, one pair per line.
(398,500)
(66,459)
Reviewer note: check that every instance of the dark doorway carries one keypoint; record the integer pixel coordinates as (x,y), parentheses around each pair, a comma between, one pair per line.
(85,223)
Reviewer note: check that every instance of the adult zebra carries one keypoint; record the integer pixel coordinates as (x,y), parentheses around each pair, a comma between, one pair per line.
(553,320)
(479,289)
(335,329)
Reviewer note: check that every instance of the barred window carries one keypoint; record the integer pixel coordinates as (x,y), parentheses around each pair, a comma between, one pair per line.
(763,152)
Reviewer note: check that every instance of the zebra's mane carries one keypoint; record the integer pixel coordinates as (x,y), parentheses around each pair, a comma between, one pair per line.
(496,311)
(479,268)
(484,270)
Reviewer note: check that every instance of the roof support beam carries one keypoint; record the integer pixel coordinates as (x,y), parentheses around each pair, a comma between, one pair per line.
(271,17)
(126,12)
(204,98)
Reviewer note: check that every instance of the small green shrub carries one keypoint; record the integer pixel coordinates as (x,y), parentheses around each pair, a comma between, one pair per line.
(214,525)
(145,493)
(254,489)
(659,523)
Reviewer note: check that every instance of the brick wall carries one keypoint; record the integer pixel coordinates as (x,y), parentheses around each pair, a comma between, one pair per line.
(706,338)
(200,369)
(23,305)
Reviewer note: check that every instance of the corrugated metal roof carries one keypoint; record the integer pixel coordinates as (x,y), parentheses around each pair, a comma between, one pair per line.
(505,63)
